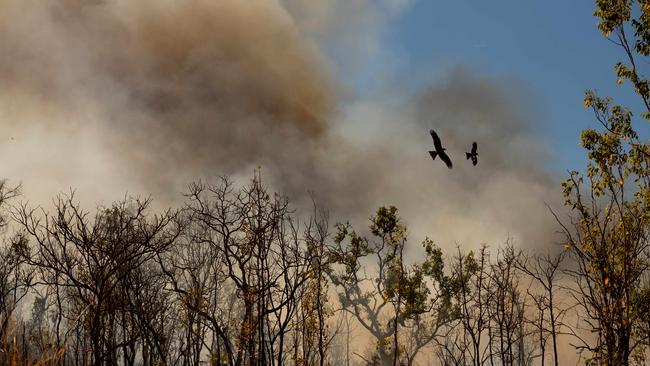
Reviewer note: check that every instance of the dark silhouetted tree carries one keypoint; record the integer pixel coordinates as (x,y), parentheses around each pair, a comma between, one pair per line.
(85,261)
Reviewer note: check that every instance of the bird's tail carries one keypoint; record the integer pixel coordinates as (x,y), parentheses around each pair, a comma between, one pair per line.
(433,154)
(469,155)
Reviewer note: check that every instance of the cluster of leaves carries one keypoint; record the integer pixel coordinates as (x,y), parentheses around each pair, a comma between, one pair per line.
(394,291)
(608,235)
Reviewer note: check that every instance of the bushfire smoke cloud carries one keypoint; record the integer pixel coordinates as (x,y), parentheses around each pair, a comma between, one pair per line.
(145,96)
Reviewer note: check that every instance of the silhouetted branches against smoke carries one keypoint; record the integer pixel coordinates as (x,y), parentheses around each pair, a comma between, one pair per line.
(233,278)
(243,251)
(15,277)
(545,271)
(85,260)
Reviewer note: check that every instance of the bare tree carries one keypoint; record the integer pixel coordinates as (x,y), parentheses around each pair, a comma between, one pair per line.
(506,310)
(15,280)
(471,326)
(261,255)
(544,270)
(85,261)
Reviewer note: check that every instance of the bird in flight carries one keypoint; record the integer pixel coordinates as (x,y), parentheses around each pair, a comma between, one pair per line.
(440,151)
(473,155)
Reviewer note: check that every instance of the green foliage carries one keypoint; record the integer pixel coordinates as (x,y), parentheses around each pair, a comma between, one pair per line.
(433,265)
(611,200)
(627,23)
(413,296)
(613,13)
(385,222)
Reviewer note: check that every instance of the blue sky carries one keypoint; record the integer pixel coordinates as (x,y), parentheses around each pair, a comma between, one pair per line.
(553,47)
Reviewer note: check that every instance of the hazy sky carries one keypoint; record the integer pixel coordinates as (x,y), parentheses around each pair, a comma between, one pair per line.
(329,96)
(553,47)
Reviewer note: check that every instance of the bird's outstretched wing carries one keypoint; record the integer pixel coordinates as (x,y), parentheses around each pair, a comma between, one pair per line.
(474,146)
(444,157)
(436,140)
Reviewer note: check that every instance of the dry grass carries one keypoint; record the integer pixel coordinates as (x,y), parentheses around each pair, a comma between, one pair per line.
(14,352)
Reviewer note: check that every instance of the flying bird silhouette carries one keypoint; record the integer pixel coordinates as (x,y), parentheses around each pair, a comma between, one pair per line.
(440,151)
(473,154)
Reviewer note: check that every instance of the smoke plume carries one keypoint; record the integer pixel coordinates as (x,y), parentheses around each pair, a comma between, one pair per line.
(146,96)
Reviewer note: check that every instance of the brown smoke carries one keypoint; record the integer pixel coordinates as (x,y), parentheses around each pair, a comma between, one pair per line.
(179,87)
(145,96)
(386,162)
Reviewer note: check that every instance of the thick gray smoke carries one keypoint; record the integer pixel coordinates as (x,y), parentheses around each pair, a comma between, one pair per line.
(146,96)
(176,87)
(503,196)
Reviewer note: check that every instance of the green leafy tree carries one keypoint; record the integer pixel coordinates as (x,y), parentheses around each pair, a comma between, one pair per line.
(384,295)
(608,232)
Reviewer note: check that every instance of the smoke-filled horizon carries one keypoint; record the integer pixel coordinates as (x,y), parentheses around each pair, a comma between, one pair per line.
(144,97)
